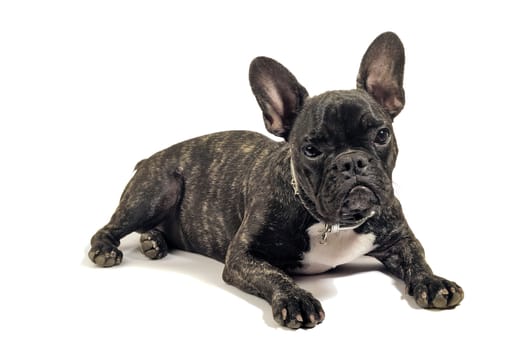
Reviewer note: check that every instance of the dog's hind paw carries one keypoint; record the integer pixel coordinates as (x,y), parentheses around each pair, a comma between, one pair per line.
(104,255)
(153,245)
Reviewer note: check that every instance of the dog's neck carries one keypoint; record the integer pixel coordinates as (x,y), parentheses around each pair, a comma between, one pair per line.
(309,206)
(300,194)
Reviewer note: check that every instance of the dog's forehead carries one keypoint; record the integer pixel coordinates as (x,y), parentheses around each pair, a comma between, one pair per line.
(347,111)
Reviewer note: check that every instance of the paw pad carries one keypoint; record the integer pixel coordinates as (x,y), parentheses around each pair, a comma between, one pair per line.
(105,255)
(153,245)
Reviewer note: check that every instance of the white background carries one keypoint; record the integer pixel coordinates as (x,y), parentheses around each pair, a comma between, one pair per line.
(88,88)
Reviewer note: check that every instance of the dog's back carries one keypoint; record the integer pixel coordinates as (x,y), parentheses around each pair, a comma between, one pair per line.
(212,172)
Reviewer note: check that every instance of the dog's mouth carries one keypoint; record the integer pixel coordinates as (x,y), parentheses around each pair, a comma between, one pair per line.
(358,207)
(357,220)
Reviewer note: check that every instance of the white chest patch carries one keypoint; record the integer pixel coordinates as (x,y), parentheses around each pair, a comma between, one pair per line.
(340,248)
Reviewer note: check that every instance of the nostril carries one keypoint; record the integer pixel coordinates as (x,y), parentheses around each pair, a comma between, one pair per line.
(361,163)
(351,164)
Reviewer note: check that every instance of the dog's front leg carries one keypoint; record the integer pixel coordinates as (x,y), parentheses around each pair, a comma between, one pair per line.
(403,256)
(292,306)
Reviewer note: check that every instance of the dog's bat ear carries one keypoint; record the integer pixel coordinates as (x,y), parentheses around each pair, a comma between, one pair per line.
(278,94)
(382,72)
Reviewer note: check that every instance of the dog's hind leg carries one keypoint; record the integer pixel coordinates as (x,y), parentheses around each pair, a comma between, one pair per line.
(147,201)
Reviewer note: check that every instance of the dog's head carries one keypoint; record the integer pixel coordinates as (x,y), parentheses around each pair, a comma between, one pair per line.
(343,150)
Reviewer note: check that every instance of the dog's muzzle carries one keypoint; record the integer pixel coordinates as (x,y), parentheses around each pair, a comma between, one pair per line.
(357,206)
(356,209)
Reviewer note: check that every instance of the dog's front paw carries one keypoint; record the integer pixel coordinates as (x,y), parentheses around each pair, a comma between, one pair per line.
(297,309)
(435,292)
(105,255)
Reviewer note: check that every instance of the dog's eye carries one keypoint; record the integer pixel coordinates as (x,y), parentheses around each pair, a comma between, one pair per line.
(311,151)
(383,136)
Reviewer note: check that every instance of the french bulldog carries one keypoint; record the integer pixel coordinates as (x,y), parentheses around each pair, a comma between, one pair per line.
(305,205)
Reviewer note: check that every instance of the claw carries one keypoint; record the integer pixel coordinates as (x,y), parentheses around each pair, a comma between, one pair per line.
(456,296)
(440,299)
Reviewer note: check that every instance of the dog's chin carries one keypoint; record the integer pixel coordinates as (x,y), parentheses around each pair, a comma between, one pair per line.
(358,206)
(350,221)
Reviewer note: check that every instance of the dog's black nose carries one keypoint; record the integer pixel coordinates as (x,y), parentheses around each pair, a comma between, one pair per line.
(353,163)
